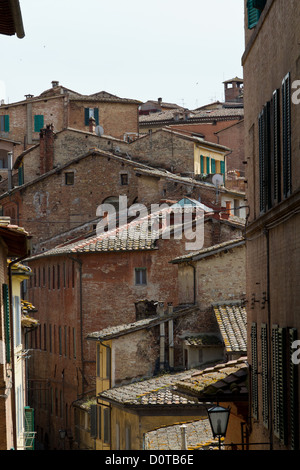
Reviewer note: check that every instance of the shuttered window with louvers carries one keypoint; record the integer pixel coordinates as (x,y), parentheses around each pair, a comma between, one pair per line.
(293,390)
(265,381)
(254,371)
(286,136)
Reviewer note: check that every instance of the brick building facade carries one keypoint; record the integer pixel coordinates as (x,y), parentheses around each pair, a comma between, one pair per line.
(89,285)
(272,119)
(63,108)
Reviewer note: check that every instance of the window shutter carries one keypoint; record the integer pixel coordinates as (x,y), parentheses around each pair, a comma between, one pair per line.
(96,116)
(201,164)
(38,122)
(222,165)
(6,123)
(86,116)
(286,135)
(29,428)
(253,14)
(259,4)
(279,382)
(93,431)
(276,147)
(265,381)
(5,293)
(261,162)
(254,371)
(293,398)
(213,165)
(282,383)
(106,419)
(207,165)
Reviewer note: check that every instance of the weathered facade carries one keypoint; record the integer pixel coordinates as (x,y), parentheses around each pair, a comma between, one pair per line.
(272,119)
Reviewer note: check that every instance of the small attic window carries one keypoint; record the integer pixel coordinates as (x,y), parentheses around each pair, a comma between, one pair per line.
(69,178)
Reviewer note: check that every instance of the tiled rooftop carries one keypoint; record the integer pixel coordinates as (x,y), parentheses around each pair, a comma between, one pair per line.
(193,115)
(222,380)
(155,391)
(232,321)
(198,436)
(119,330)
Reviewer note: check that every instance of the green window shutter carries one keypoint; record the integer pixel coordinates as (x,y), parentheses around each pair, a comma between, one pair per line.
(38,122)
(213,165)
(29,428)
(5,293)
(286,135)
(222,164)
(293,390)
(253,14)
(86,116)
(96,116)
(254,371)
(6,123)
(259,4)
(265,378)
(93,412)
(207,165)
(201,164)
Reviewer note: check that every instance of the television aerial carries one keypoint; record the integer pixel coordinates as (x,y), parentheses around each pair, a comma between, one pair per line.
(217,181)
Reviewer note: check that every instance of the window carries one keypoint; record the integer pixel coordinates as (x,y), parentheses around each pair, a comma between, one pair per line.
(108,362)
(275,148)
(106,419)
(279,382)
(69,178)
(124,179)
(60,341)
(98,360)
(254,371)
(4,123)
(38,122)
(265,375)
(93,429)
(140,276)
(127,437)
(286,135)
(91,112)
(5,294)
(253,12)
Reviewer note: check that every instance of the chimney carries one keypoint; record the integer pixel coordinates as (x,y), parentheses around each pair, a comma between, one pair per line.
(54,84)
(159,101)
(92,125)
(46,149)
(28,97)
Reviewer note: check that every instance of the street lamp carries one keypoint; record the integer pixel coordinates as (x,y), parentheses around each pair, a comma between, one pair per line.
(218,419)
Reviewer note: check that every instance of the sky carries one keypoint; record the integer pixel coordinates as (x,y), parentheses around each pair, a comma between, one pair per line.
(180,51)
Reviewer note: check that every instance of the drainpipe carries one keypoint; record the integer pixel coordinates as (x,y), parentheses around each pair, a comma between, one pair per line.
(171,338)
(79,262)
(194,281)
(11,320)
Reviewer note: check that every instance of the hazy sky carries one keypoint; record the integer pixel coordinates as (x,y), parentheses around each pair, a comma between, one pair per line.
(178,50)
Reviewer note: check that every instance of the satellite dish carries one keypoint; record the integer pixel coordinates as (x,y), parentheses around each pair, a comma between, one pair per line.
(217,180)
(99,130)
